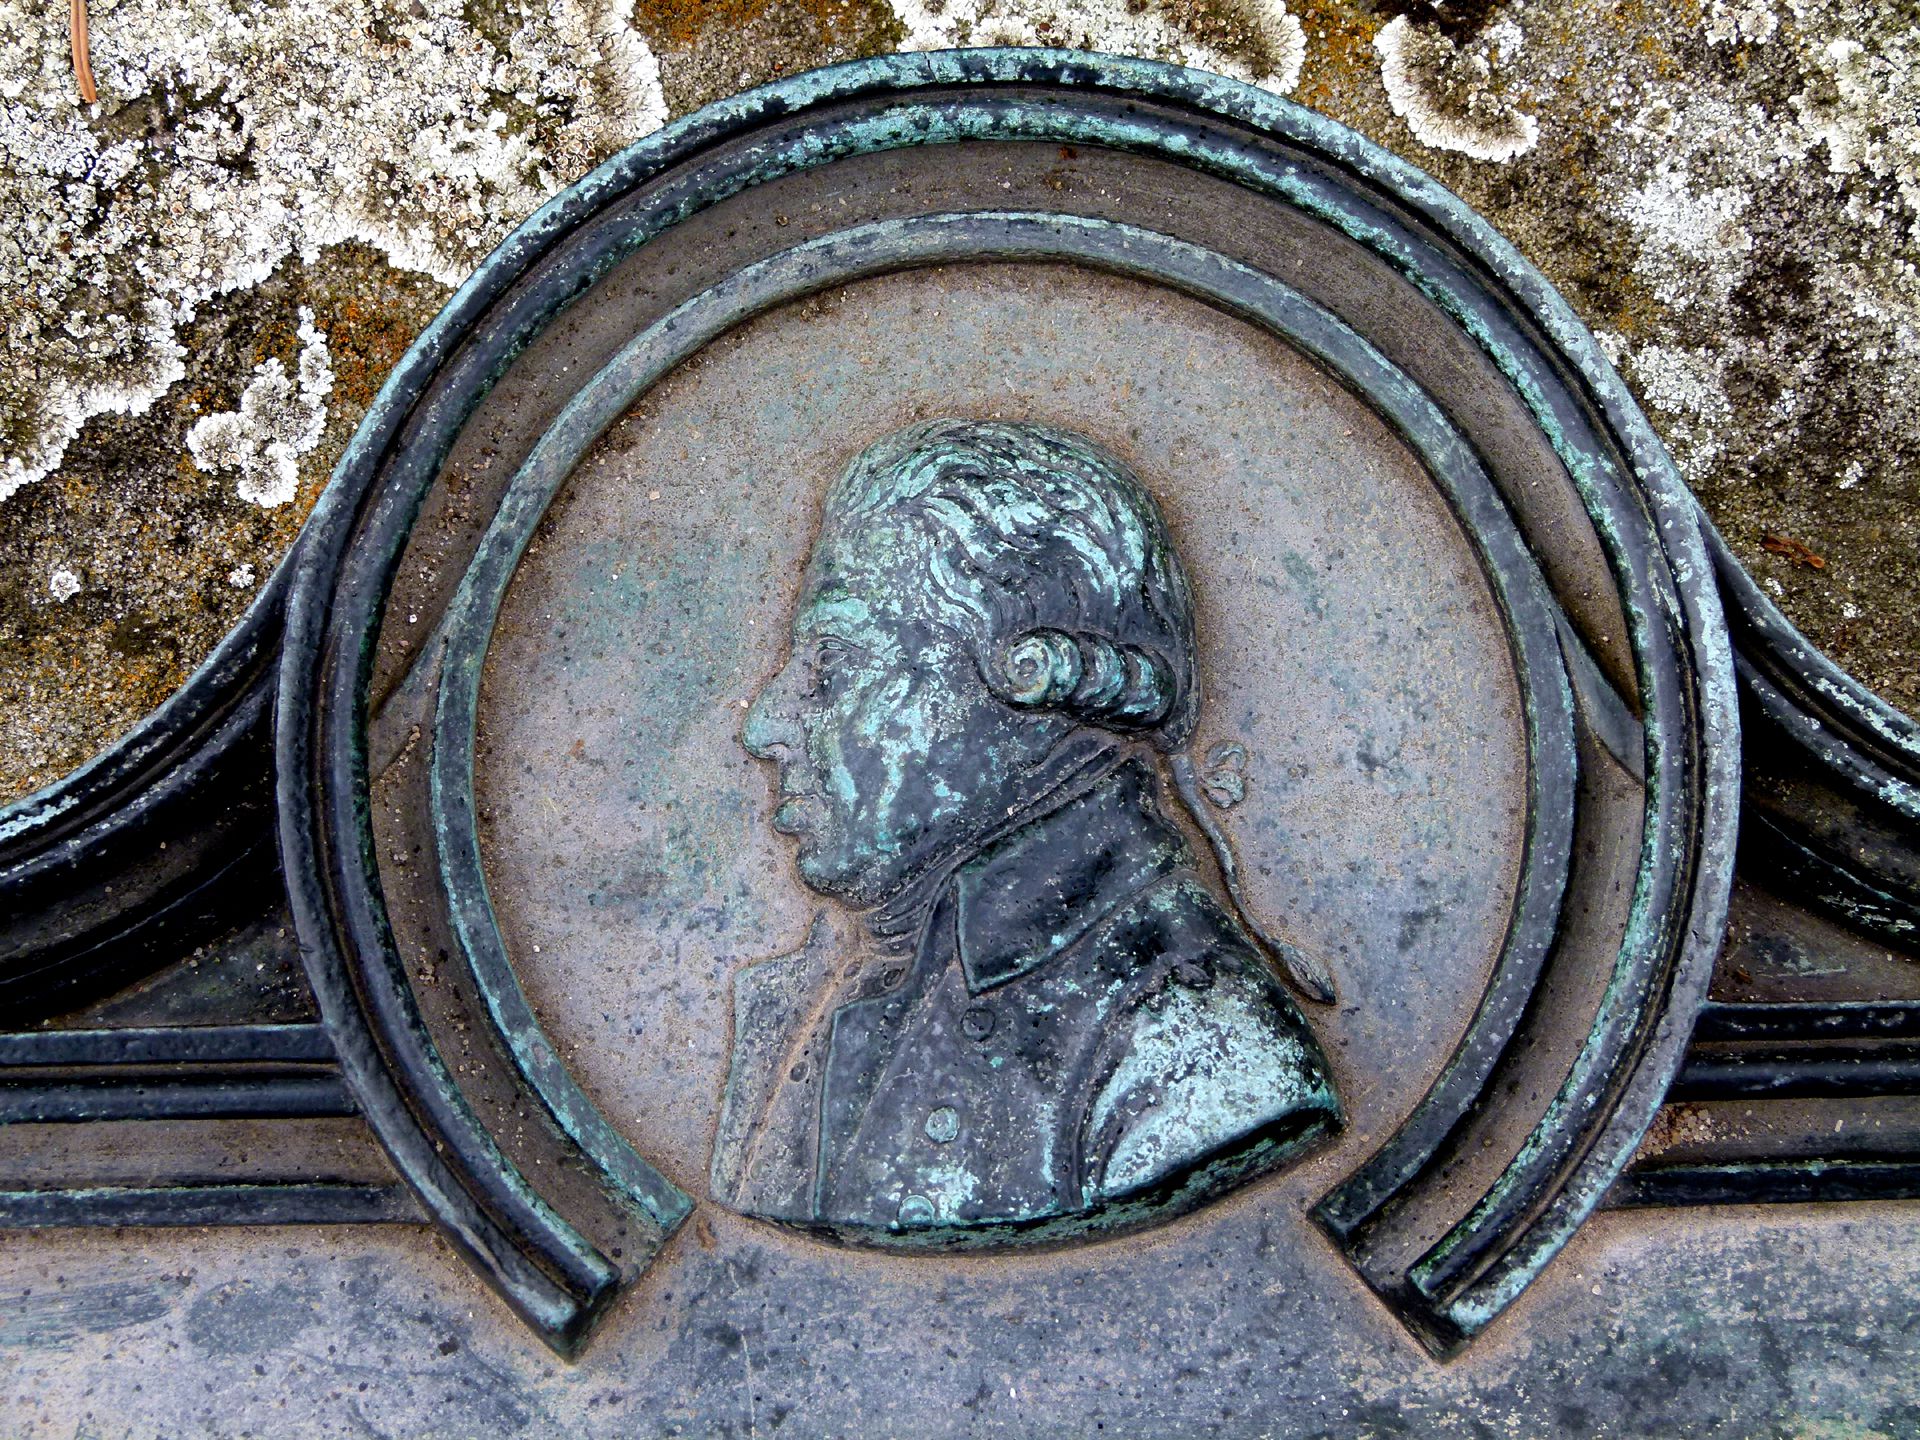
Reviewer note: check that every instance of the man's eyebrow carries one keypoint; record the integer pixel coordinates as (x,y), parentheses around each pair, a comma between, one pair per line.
(834,610)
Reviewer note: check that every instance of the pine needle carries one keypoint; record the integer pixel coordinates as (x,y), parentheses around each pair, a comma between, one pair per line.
(82,66)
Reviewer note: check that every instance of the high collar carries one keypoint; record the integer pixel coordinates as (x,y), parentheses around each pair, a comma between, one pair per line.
(1075,766)
(1048,881)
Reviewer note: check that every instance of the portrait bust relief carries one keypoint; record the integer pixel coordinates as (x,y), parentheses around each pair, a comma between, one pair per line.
(1056,1016)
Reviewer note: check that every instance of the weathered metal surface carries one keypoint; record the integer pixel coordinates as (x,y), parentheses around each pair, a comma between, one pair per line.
(1511,1212)
(684,536)
(1714,1322)
(1056,1029)
(1164,552)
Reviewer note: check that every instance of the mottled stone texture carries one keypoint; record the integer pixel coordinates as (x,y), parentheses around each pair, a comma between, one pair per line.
(1728,192)
(1721,1326)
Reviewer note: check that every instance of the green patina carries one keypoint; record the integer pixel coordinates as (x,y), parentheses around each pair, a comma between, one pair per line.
(1653,609)
(995,633)
(892,735)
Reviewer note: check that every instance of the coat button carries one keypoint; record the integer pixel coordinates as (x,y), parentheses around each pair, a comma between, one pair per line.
(916,1210)
(943,1124)
(977,1023)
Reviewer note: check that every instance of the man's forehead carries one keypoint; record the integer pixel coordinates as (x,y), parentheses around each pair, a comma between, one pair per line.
(828,604)
(864,576)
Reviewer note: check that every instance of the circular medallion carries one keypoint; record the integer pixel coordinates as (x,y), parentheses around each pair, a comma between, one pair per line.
(988,650)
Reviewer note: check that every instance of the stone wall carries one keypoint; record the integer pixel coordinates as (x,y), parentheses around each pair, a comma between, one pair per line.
(206,275)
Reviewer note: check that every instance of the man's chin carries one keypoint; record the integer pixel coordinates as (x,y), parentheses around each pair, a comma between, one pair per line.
(833,875)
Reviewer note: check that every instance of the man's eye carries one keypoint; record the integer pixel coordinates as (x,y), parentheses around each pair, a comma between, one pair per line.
(830,658)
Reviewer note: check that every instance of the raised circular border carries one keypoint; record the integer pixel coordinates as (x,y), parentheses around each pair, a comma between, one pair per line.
(1648,524)
(860,252)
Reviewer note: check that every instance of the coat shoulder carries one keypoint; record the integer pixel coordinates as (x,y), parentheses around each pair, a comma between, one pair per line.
(771,999)
(1208,1063)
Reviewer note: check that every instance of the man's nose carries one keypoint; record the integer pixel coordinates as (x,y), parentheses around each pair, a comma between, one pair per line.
(771,725)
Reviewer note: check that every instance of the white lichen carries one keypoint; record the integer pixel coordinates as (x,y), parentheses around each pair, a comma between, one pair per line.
(229,137)
(1691,236)
(1863,107)
(1740,22)
(1613,345)
(280,418)
(1264,29)
(1688,387)
(63,584)
(1734,203)
(1450,94)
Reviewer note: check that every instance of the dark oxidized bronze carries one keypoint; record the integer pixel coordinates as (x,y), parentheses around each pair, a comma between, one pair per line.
(1060,1030)
(1038,663)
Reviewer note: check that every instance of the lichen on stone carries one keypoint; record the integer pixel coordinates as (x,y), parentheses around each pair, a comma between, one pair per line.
(1770,211)
(709,49)
(1725,192)
(229,137)
(1693,245)
(1447,91)
(1254,40)
(168,554)
(280,418)
(1740,22)
(1863,106)
(155,250)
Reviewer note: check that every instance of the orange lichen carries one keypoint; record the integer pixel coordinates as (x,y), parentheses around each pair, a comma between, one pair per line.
(370,317)
(681,24)
(1340,53)
(364,348)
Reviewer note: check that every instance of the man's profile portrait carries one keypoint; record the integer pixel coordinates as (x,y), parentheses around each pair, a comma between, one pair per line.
(1053,1021)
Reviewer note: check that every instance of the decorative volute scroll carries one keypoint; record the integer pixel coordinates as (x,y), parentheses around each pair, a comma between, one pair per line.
(1010,720)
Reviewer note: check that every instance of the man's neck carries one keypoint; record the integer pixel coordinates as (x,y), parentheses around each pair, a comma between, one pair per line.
(1079,762)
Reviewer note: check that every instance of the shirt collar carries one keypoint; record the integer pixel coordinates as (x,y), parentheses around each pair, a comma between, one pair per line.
(1045,883)
(1079,762)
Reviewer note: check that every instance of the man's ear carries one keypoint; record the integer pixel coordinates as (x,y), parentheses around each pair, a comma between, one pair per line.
(1038,669)
(1091,678)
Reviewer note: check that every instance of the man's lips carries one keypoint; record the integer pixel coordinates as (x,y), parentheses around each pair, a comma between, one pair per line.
(789,818)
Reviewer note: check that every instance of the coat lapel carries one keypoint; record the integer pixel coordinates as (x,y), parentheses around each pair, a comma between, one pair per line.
(758,1159)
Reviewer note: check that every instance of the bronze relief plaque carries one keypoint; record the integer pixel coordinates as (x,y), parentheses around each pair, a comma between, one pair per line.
(1008,730)
(1303,526)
